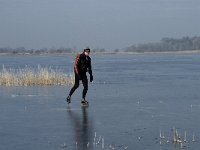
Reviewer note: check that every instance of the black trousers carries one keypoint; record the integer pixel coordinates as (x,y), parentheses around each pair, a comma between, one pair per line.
(84,80)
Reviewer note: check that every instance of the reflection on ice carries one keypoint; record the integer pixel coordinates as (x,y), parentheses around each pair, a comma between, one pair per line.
(82,127)
(84,136)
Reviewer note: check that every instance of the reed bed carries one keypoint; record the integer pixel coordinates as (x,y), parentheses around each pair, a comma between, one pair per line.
(42,76)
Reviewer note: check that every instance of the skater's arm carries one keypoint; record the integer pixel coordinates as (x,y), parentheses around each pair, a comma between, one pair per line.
(77,63)
(90,70)
(90,67)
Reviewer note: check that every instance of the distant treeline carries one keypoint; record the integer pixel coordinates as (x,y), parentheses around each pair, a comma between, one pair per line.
(165,45)
(22,50)
(168,44)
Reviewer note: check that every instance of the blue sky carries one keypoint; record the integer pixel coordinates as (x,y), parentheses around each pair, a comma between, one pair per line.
(108,24)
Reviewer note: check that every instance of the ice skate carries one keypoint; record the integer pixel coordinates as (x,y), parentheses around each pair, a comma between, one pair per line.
(84,102)
(68,99)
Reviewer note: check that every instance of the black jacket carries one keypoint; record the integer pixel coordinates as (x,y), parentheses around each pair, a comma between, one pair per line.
(82,64)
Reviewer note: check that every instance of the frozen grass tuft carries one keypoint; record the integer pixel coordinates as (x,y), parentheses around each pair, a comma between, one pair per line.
(42,76)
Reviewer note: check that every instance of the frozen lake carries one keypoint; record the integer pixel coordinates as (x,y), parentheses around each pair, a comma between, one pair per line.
(133,99)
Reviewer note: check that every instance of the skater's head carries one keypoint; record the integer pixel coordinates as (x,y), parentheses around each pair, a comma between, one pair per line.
(87,51)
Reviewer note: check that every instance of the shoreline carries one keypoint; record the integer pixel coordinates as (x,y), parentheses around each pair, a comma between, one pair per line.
(165,52)
(107,53)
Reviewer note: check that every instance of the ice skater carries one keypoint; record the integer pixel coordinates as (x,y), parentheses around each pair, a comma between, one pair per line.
(81,66)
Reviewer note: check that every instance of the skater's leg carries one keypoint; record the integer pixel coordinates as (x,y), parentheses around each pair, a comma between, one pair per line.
(85,86)
(76,85)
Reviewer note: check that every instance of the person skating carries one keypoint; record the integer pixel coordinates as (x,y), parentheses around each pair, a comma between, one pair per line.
(81,66)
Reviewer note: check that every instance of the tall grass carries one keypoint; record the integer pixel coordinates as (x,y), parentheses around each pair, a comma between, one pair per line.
(43,76)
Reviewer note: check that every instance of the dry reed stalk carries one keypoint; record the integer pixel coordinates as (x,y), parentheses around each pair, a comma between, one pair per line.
(29,77)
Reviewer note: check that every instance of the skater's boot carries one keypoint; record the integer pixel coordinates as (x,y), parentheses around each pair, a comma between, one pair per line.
(84,102)
(68,99)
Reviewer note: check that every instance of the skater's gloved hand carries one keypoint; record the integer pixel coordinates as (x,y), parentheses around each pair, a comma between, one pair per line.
(91,78)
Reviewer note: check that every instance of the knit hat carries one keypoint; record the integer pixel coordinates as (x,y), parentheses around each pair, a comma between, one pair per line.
(87,49)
